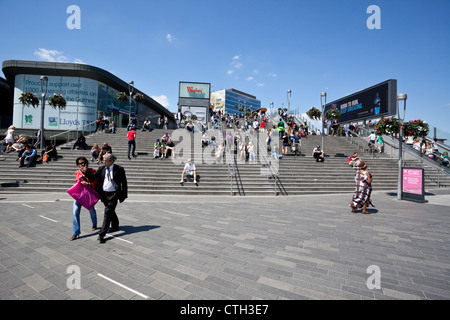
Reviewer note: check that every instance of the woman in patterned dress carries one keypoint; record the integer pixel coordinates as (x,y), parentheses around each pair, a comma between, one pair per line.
(363,189)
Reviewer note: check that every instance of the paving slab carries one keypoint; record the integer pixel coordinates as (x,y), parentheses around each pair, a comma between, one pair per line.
(191,248)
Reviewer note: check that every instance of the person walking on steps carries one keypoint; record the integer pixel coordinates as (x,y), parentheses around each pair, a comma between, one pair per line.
(131,142)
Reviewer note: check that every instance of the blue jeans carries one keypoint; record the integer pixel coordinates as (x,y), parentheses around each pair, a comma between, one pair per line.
(76,217)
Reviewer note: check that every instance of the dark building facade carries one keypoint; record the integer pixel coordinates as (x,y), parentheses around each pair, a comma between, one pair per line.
(6,104)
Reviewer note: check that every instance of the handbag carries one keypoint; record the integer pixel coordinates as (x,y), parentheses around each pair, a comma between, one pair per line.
(84,195)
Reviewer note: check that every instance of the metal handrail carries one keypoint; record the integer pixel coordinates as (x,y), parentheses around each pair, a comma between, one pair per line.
(411,152)
(53,138)
(359,141)
(269,162)
(230,161)
(418,156)
(304,121)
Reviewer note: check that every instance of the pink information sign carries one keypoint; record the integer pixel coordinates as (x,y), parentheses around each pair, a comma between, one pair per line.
(412,180)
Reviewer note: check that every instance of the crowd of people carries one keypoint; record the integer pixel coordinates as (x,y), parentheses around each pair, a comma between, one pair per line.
(26,152)
(282,138)
(429,149)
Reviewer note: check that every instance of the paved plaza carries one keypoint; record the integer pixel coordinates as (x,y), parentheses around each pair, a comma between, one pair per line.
(227,248)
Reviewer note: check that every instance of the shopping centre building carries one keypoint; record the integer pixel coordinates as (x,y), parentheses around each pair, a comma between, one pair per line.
(230,100)
(89,91)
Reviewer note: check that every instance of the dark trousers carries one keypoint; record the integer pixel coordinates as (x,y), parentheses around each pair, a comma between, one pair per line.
(110,200)
(131,143)
(297,149)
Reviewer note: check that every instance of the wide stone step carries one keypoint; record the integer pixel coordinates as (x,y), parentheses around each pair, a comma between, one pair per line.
(299,175)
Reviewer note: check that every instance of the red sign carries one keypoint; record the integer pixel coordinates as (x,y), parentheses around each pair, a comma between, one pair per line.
(191,89)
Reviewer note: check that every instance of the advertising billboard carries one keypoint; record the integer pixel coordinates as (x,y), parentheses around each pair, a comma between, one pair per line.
(200,112)
(81,95)
(371,103)
(194,90)
(218,100)
(413,184)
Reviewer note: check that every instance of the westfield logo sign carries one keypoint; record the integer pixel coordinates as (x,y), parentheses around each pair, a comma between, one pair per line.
(191,89)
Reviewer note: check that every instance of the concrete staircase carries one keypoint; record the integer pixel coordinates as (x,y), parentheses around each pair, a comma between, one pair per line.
(303,175)
(299,175)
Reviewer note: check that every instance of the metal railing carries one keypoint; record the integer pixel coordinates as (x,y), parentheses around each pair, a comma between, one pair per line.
(361,142)
(303,120)
(73,134)
(391,147)
(267,163)
(410,154)
(233,171)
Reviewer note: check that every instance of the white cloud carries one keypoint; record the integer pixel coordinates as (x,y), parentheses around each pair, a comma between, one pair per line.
(54,56)
(162,100)
(249,78)
(230,72)
(273,75)
(260,84)
(50,55)
(235,62)
(169,37)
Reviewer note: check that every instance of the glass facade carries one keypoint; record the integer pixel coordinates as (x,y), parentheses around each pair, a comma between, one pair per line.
(107,101)
(86,100)
(229,101)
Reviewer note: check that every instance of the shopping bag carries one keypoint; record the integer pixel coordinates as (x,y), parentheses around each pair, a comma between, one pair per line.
(84,195)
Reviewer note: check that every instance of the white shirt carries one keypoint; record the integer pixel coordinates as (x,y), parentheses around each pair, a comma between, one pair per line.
(108,186)
(372,137)
(189,167)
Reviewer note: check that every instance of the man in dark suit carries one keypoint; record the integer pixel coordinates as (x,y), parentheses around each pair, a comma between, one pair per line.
(112,187)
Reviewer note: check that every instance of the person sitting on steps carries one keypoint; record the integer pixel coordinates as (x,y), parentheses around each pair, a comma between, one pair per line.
(80,143)
(29,155)
(318,154)
(354,160)
(189,170)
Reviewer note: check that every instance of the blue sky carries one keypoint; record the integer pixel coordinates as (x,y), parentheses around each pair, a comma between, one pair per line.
(257,46)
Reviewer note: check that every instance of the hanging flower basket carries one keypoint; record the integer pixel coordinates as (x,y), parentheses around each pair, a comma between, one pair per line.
(388,126)
(332,114)
(122,96)
(416,128)
(57,101)
(29,99)
(138,97)
(314,113)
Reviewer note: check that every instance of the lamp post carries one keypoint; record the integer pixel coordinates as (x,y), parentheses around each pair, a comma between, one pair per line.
(130,89)
(44,83)
(289,94)
(323,95)
(400,97)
